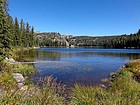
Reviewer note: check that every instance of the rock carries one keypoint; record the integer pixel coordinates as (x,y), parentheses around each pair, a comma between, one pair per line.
(20,85)
(24,88)
(102,85)
(72,46)
(18,77)
(11,60)
(6,58)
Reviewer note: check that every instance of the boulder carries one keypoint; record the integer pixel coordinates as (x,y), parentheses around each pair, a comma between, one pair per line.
(6,58)
(20,85)
(11,60)
(19,77)
(24,88)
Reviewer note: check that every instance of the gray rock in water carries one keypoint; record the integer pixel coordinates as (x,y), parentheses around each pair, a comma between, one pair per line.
(19,77)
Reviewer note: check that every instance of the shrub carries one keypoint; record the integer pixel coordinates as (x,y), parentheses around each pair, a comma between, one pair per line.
(6,80)
(5,66)
(25,70)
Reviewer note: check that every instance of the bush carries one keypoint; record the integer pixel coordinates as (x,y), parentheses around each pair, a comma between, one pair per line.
(6,80)
(5,66)
(1,58)
(25,70)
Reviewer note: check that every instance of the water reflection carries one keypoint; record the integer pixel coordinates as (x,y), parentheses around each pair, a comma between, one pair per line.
(80,65)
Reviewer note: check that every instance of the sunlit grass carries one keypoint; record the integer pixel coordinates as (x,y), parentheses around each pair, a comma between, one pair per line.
(25,70)
(50,93)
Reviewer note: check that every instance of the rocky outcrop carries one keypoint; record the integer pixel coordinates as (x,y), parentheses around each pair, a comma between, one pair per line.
(18,77)
(51,39)
(20,81)
(10,60)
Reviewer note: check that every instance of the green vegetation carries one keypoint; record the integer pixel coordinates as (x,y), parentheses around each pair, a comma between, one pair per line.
(49,94)
(6,73)
(25,70)
(11,33)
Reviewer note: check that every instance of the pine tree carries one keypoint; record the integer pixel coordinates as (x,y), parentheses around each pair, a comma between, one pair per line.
(4,29)
(27,35)
(32,37)
(11,29)
(22,27)
(17,37)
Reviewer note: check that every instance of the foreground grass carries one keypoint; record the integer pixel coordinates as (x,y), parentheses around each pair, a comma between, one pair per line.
(49,94)
(124,89)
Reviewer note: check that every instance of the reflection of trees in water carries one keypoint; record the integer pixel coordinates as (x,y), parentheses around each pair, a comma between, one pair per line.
(45,55)
(25,55)
(130,56)
(111,54)
(30,55)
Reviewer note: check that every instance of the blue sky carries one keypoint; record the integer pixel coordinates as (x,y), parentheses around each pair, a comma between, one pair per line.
(79,17)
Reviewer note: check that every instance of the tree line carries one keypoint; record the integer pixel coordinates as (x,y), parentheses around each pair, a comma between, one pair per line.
(118,41)
(13,33)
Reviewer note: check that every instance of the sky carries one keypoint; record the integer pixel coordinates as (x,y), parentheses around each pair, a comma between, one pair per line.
(79,17)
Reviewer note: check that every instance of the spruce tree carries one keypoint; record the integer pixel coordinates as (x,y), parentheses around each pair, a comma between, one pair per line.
(22,33)
(32,37)
(27,35)
(17,37)
(11,29)
(4,29)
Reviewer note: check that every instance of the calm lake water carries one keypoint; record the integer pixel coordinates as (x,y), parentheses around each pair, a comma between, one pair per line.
(86,66)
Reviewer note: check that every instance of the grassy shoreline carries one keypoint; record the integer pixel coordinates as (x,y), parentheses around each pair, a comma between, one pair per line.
(123,89)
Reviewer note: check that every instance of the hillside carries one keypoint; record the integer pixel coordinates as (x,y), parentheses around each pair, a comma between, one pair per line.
(50,39)
(117,41)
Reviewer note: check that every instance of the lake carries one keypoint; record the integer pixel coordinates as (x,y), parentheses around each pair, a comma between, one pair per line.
(86,66)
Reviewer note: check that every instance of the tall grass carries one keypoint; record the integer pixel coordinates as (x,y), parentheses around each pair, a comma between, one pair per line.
(50,93)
